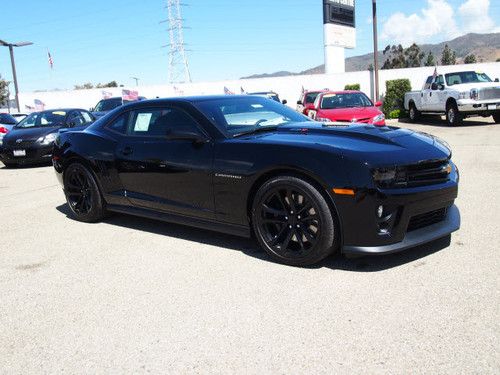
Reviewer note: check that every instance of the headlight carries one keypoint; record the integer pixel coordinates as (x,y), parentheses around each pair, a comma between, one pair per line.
(389,177)
(48,139)
(474,95)
(379,118)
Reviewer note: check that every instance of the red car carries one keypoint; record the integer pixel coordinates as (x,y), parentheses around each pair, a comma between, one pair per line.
(306,101)
(347,106)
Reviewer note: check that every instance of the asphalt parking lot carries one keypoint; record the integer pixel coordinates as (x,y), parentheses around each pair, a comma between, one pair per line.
(135,295)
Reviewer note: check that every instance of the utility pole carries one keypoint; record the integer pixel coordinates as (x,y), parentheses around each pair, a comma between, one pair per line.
(13,63)
(177,60)
(136,80)
(375,48)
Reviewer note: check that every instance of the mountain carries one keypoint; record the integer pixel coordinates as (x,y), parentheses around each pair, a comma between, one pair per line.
(486,47)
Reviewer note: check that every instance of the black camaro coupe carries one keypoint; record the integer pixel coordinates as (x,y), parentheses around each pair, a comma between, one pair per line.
(245,164)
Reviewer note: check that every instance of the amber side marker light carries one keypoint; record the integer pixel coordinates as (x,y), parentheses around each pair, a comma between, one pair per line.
(343,191)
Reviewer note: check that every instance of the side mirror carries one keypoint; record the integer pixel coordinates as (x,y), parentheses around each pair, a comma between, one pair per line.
(378,104)
(184,135)
(496,80)
(70,124)
(284,101)
(299,102)
(434,86)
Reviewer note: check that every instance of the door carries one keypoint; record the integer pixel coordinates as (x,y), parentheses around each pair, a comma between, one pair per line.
(436,95)
(171,175)
(426,95)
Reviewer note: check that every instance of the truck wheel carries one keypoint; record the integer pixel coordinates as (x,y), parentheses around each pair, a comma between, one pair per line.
(413,112)
(453,117)
(496,117)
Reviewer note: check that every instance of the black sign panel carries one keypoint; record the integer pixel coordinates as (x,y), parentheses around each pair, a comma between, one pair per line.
(339,12)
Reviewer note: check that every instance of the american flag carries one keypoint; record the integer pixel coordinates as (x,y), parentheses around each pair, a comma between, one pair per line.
(435,74)
(303,89)
(39,105)
(130,95)
(227,91)
(106,94)
(29,107)
(51,62)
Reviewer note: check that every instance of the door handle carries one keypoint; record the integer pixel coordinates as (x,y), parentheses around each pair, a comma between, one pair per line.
(431,94)
(127,150)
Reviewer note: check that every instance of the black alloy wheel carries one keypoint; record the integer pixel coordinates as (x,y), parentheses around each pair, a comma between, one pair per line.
(293,222)
(82,194)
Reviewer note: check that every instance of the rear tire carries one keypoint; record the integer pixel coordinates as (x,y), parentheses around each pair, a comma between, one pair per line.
(496,117)
(82,194)
(293,222)
(453,116)
(413,113)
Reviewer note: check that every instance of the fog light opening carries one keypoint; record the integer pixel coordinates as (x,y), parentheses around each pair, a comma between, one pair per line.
(380,211)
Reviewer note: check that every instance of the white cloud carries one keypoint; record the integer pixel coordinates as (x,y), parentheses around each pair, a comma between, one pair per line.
(475,17)
(437,20)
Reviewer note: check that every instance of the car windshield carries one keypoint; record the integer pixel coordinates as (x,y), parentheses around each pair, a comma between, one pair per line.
(106,105)
(45,118)
(466,77)
(243,114)
(346,100)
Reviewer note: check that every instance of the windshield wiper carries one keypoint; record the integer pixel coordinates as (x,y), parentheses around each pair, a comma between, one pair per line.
(258,129)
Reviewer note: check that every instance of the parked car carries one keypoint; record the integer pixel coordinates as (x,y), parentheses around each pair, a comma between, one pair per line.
(106,105)
(458,95)
(306,101)
(243,164)
(270,95)
(346,106)
(31,140)
(7,122)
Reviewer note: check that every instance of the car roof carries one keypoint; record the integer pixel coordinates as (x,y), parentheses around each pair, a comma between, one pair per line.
(60,109)
(187,99)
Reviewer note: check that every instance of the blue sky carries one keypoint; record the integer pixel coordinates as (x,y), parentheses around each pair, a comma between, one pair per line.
(99,41)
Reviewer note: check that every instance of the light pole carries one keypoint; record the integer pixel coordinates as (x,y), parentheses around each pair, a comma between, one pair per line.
(136,80)
(375,48)
(11,50)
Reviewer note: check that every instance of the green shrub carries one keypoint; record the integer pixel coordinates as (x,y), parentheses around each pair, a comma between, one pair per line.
(397,114)
(394,96)
(354,86)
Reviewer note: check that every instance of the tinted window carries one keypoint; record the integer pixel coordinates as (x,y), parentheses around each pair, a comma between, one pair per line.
(108,104)
(351,100)
(157,122)
(87,117)
(466,77)
(46,118)
(119,124)
(428,83)
(311,97)
(440,80)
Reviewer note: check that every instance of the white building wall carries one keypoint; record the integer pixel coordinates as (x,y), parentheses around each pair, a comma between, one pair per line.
(288,88)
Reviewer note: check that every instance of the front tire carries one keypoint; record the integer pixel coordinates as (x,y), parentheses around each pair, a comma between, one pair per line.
(453,116)
(82,194)
(293,222)
(496,117)
(413,113)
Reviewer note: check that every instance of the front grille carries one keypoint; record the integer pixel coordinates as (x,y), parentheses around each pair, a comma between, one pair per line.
(489,93)
(23,144)
(429,218)
(421,174)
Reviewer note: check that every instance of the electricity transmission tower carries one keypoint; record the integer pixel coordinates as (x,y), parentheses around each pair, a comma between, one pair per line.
(178,69)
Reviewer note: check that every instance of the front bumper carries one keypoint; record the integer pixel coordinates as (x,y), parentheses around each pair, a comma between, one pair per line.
(479,106)
(414,238)
(34,154)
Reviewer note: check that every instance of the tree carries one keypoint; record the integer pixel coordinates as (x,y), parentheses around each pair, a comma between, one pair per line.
(470,59)
(85,86)
(109,84)
(448,57)
(4,91)
(399,57)
(413,56)
(430,61)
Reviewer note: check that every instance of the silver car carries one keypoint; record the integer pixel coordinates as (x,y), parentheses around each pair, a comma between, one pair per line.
(7,122)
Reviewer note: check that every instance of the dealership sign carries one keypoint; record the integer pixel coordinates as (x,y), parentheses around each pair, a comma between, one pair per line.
(339,23)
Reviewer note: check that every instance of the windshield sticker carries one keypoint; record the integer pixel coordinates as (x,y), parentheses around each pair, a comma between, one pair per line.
(60,113)
(329,95)
(142,122)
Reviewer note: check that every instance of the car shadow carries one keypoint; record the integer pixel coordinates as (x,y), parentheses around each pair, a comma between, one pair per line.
(250,247)
(435,120)
(26,166)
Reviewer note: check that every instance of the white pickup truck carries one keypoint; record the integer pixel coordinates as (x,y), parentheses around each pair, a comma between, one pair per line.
(458,95)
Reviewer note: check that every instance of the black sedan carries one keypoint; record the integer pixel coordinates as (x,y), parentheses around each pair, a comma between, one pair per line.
(32,139)
(245,164)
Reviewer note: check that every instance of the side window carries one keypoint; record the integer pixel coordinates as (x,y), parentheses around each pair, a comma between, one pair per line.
(440,80)
(75,118)
(427,85)
(87,118)
(119,124)
(158,122)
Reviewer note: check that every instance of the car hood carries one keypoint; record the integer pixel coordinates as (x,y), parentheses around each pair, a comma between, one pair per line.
(350,114)
(371,145)
(30,134)
(469,86)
